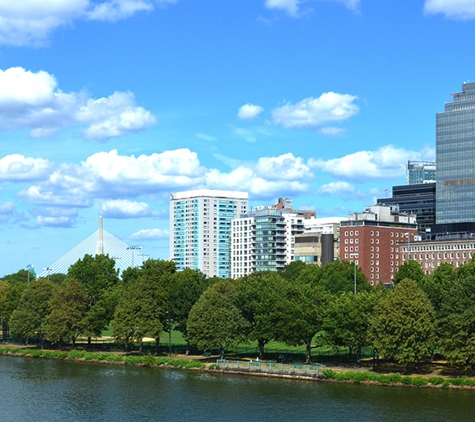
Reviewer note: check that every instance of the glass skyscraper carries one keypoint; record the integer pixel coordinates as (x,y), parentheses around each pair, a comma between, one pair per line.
(200,229)
(455,157)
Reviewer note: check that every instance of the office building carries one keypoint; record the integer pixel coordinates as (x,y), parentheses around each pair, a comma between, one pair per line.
(200,229)
(416,199)
(320,242)
(372,240)
(418,172)
(455,157)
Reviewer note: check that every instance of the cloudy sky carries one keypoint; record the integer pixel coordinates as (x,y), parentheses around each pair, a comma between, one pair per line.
(108,106)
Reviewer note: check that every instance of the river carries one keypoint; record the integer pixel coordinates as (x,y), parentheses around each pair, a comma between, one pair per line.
(41,389)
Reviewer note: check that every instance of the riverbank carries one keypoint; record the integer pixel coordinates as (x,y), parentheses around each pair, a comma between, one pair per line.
(336,374)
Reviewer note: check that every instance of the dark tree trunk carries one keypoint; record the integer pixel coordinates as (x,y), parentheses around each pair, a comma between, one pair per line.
(261,343)
(141,346)
(222,352)
(358,355)
(157,345)
(308,347)
(89,342)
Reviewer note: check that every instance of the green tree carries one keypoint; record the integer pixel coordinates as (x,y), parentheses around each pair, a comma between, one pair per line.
(138,313)
(437,284)
(69,306)
(339,276)
(402,326)
(28,319)
(291,271)
(311,274)
(457,324)
(215,321)
(99,276)
(258,298)
(301,315)
(409,269)
(348,319)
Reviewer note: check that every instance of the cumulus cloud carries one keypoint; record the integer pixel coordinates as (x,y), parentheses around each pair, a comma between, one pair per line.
(123,208)
(32,100)
(385,163)
(336,188)
(150,234)
(7,210)
(291,7)
(452,9)
(31,22)
(249,111)
(312,113)
(110,176)
(54,217)
(17,168)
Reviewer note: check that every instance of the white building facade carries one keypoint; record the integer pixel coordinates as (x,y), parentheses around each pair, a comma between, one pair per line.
(200,229)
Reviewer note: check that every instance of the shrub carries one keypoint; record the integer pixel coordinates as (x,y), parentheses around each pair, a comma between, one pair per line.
(75,354)
(418,381)
(328,374)
(436,380)
(149,360)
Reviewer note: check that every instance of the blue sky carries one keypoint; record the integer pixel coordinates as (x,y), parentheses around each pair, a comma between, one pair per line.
(108,106)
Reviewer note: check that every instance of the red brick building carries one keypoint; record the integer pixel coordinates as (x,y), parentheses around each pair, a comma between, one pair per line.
(373,240)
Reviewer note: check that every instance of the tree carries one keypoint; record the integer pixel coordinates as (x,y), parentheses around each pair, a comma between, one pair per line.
(28,319)
(301,314)
(348,319)
(402,326)
(215,321)
(311,274)
(409,269)
(457,324)
(138,313)
(258,297)
(98,275)
(69,306)
(339,276)
(437,284)
(291,271)
(183,291)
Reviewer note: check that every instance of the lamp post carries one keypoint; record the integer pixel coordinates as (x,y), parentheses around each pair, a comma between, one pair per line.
(49,269)
(354,255)
(408,234)
(29,267)
(133,248)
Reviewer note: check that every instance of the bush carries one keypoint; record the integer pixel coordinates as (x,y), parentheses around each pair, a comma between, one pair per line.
(76,354)
(149,360)
(436,380)
(328,374)
(391,378)
(419,381)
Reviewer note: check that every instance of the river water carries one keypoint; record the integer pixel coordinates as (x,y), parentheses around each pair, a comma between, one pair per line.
(40,389)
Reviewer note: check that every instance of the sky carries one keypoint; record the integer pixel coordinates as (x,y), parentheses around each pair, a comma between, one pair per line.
(109,106)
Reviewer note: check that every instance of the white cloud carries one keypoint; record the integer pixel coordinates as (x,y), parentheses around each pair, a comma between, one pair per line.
(150,234)
(291,7)
(17,168)
(349,4)
(283,167)
(33,100)
(385,163)
(29,22)
(312,112)
(205,137)
(109,175)
(454,9)
(336,188)
(246,134)
(249,111)
(332,131)
(54,217)
(123,208)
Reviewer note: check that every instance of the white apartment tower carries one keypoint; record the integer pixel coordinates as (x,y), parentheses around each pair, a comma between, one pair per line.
(200,229)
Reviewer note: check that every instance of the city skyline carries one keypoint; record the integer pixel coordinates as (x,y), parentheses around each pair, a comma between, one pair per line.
(108,107)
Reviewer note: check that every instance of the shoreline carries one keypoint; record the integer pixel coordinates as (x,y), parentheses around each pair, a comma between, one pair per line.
(188,363)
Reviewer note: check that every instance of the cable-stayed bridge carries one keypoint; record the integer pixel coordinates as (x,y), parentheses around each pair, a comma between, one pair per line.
(100,242)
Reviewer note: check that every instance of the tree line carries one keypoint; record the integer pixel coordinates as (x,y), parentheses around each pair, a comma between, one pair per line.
(421,315)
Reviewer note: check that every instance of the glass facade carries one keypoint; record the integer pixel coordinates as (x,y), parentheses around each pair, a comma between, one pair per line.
(455,157)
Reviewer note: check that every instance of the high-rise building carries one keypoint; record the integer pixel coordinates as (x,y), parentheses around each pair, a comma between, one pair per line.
(418,172)
(418,200)
(264,240)
(200,229)
(455,157)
